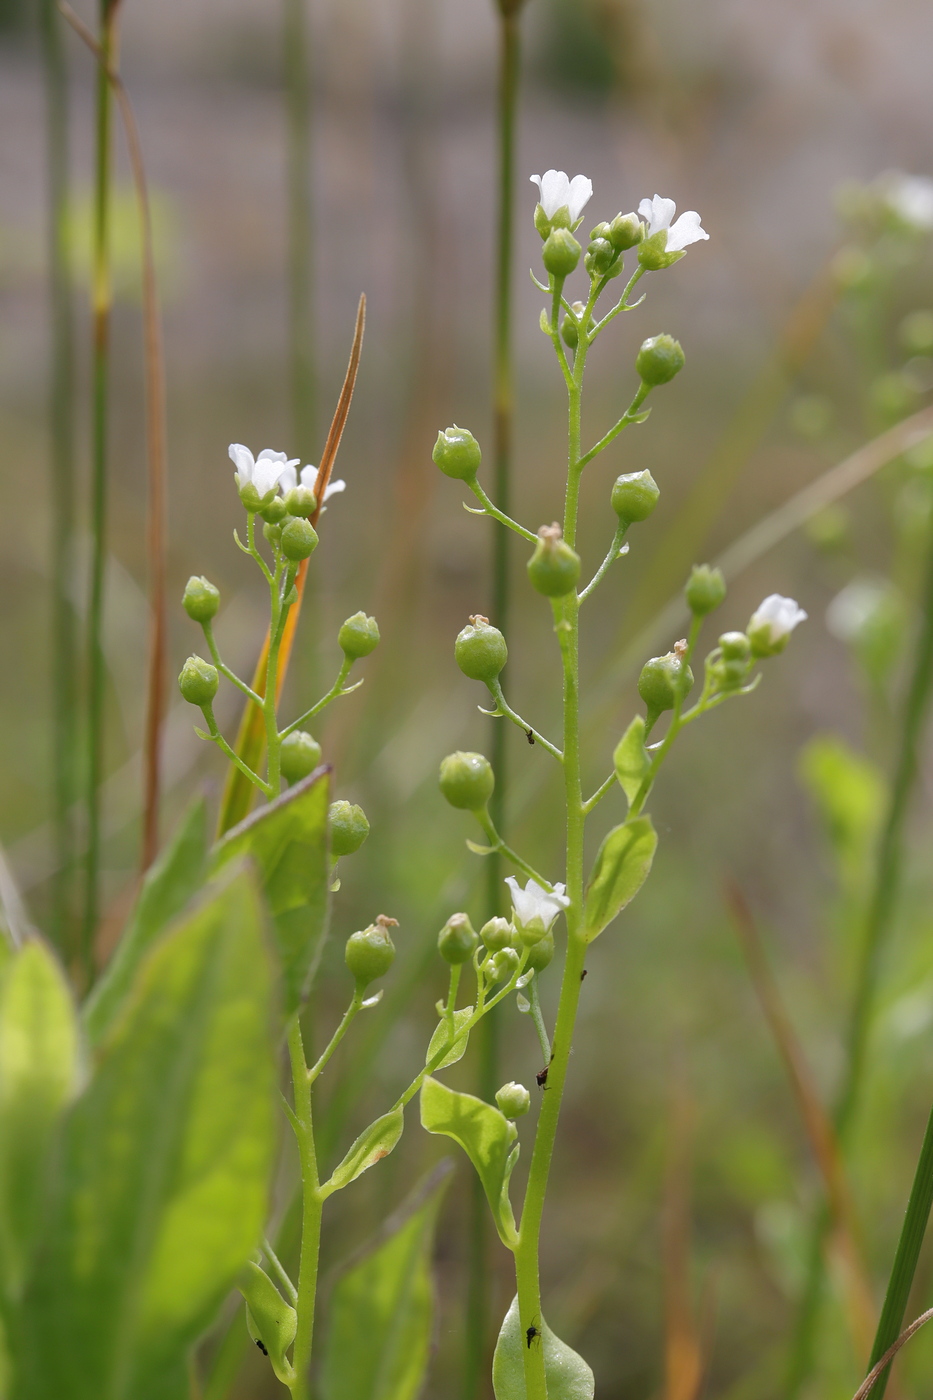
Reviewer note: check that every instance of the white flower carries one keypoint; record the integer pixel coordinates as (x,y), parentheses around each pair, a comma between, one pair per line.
(910,197)
(659,212)
(772,623)
(290,478)
(263,472)
(534,909)
(558,191)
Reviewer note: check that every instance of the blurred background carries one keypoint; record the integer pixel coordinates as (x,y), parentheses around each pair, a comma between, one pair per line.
(684,1182)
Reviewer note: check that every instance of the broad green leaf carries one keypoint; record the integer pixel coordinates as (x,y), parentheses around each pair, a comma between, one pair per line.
(848,792)
(288,841)
(169,886)
(631,760)
(485,1135)
(619,871)
(269,1319)
(381,1312)
(441,1036)
(162,1187)
(38,1075)
(374,1143)
(567,1374)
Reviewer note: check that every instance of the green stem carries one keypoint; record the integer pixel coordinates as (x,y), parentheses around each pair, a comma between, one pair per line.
(311,1210)
(500,847)
(225,670)
(628,417)
(335,691)
(503,708)
(297,70)
(534,1001)
(614,553)
(281,1273)
(270,699)
(503,519)
(338,1036)
(100,383)
(208,712)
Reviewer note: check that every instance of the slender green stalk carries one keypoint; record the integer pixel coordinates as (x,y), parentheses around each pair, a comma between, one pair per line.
(61,417)
(878,922)
(297,71)
(311,1210)
(100,384)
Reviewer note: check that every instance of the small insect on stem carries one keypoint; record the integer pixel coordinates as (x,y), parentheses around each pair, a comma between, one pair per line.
(541,1076)
(530,735)
(261,1347)
(583,974)
(530,1334)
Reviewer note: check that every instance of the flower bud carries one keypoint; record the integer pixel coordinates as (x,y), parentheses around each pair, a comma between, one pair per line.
(554,568)
(349,827)
(705,590)
(467,780)
(274,511)
(497,933)
(569,332)
(301,500)
(659,359)
(541,953)
(653,254)
(299,755)
(513,1100)
(771,624)
(198,681)
(299,538)
(358,636)
(600,230)
(735,646)
(457,940)
(625,231)
(370,953)
(457,453)
(273,533)
(600,256)
(200,599)
(502,964)
(561,252)
(634,496)
(480,650)
(664,681)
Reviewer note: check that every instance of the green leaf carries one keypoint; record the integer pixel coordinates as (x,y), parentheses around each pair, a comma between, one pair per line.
(38,1075)
(168,888)
(567,1374)
(848,791)
(381,1312)
(374,1143)
(288,841)
(485,1135)
(619,871)
(631,760)
(163,1183)
(441,1036)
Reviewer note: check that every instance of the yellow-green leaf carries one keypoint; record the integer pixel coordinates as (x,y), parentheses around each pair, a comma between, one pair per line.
(442,1035)
(486,1136)
(619,871)
(567,1375)
(374,1143)
(631,760)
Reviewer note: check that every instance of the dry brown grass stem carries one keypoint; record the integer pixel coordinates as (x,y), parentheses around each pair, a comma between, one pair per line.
(865,1388)
(684,1363)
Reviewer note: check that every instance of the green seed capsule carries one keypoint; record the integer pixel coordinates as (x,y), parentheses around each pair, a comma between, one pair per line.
(600,256)
(625,231)
(457,453)
(200,599)
(659,359)
(370,953)
(358,636)
(513,1100)
(299,538)
(540,954)
(198,681)
(705,590)
(480,650)
(349,828)
(561,252)
(299,755)
(467,780)
(664,681)
(457,940)
(554,568)
(634,496)
(503,964)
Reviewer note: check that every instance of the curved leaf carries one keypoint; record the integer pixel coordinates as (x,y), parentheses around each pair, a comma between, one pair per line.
(374,1143)
(567,1374)
(485,1135)
(631,760)
(620,869)
(441,1036)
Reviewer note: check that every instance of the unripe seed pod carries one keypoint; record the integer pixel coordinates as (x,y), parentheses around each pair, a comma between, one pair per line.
(467,780)
(198,681)
(541,953)
(634,496)
(554,568)
(457,940)
(200,599)
(569,332)
(497,933)
(299,755)
(665,680)
(513,1100)
(269,1319)
(600,255)
(705,590)
(370,953)
(561,252)
(301,500)
(457,453)
(358,636)
(480,650)
(349,828)
(274,511)
(503,964)
(735,646)
(625,231)
(659,359)
(299,538)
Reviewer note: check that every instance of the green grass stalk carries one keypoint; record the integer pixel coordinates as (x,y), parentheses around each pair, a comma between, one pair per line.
(878,922)
(297,73)
(62,474)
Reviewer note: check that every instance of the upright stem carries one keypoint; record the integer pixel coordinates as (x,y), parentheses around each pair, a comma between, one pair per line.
(879,918)
(478,1291)
(61,415)
(101,294)
(311,1209)
(297,68)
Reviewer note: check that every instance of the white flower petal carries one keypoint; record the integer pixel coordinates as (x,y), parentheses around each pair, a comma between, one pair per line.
(242,459)
(685,231)
(268,454)
(266,474)
(580,194)
(779,615)
(333,488)
(658,211)
(534,904)
(309,477)
(288,478)
(555,191)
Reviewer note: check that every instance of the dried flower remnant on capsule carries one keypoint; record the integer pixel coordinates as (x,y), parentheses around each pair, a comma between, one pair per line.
(771,624)
(561,200)
(534,909)
(554,568)
(664,682)
(480,650)
(665,241)
(370,952)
